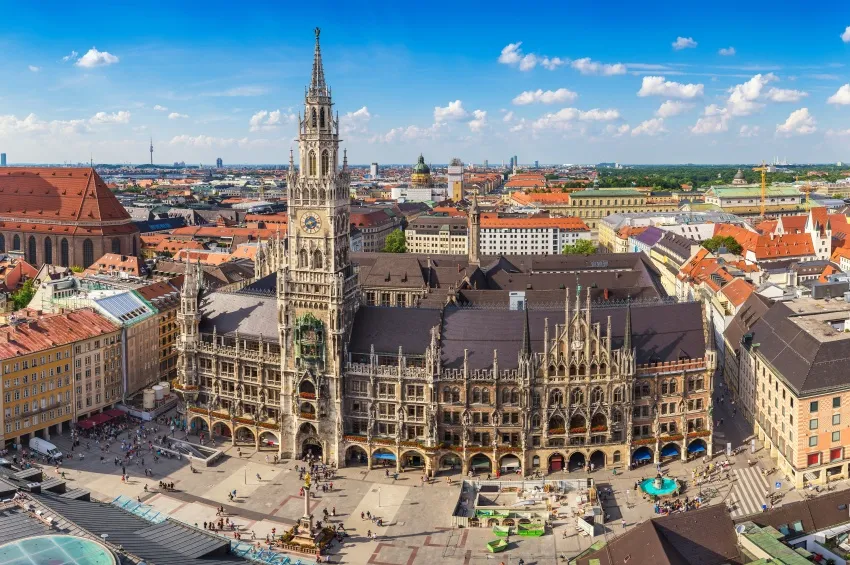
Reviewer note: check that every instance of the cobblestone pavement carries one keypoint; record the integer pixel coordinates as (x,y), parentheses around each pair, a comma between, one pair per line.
(417,518)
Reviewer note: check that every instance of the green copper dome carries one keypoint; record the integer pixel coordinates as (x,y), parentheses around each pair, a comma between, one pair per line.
(421,167)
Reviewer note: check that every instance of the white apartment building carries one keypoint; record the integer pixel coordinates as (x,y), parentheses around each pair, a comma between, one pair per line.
(437,235)
(530,236)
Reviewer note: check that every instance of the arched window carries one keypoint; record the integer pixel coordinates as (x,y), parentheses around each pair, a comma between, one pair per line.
(31,251)
(447,394)
(63,252)
(314,196)
(616,457)
(572,370)
(597,396)
(577,396)
(2,242)
(313,118)
(618,394)
(476,395)
(311,163)
(326,163)
(322,118)
(48,250)
(455,395)
(644,390)
(506,396)
(317,259)
(603,368)
(116,246)
(616,416)
(664,387)
(535,421)
(672,388)
(515,396)
(302,258)
(556,398)
(16,243)
(88,253)
(485,396)
(535,398)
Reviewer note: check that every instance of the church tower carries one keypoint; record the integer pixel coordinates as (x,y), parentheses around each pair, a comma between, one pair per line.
(317,287)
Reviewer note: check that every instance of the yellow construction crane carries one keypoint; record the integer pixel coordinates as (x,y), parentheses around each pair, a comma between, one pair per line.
(763,186)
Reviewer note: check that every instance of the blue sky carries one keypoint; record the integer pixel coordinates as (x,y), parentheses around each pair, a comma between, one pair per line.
(560,82)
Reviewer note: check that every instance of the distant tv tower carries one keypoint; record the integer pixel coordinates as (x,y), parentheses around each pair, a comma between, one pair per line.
(151,151)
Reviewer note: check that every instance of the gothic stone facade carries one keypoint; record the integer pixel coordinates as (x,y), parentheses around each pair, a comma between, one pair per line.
(295,363)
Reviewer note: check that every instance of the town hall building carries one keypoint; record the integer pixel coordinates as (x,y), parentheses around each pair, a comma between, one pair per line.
(299,362)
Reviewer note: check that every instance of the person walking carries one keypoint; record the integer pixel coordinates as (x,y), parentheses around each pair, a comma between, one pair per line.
(623,523)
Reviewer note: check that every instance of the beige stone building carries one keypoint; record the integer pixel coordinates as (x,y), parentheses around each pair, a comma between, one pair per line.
(437,235)
(97,373)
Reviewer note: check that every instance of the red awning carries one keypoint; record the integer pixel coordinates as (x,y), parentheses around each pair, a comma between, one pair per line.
(85,424)
(115,413)
(99,419)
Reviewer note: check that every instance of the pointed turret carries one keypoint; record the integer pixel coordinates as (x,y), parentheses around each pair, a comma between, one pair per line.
(317,84)
(474,233)
(627,335)
(526,337)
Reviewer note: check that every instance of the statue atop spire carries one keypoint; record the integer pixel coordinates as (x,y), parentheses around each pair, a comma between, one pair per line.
(317,84)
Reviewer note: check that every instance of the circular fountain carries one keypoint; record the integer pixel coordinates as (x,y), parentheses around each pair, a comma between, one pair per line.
(660,486)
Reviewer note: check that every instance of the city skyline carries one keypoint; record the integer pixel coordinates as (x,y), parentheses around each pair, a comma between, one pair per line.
(218,83)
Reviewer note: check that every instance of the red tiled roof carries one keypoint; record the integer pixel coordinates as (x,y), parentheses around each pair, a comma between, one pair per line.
(155,290)
(172,246)
(793,224)
(39,333)
(111,262)
(737,291)
(541,197)
(828,270)
(64,194)
(220,231)
(369,219)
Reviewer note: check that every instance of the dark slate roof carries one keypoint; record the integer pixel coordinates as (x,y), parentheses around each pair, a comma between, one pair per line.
(16,524)
(698,537)
(815,513)
(676,245)
(659,333)
(753,309)
(650,236)
(806,363)
(246,313)
(169,542)
(264,285)
(389,328)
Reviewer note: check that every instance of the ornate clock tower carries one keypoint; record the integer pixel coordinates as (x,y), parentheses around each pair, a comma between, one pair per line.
(317,287)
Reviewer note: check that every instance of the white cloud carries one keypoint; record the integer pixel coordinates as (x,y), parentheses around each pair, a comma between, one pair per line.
(553,63)
(586,66)
(683,43)
(658,86)
(841,132)
(654,126)
(159,108)
(617,131)
(785,95)
(545,97)
(714,120)
(478,121)
(409,133)
(94,58)
(845,37)
(34,69)
(356,122)
(511,54)
(842,95)
(799,122)
(528,62)
(519,126)
(208,141)
(121,117)
(176,116)
(742,97)
(451,113)
(727,51)
(566,117)
(70,56)
(672,108)
(508,117)
(749,131)
(265,120)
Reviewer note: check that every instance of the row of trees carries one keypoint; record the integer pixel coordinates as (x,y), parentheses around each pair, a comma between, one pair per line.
(397,243)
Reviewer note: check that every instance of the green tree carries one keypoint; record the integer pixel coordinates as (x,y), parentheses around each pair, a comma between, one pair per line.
(718,241)
(21,297)
(76,269)
(580,247)
(396,242)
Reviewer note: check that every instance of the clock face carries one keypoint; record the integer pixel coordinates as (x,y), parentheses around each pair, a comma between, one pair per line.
(311,223)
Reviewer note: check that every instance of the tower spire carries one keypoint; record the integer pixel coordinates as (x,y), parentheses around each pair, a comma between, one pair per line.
(317,84)
(627,336)
(526,337)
